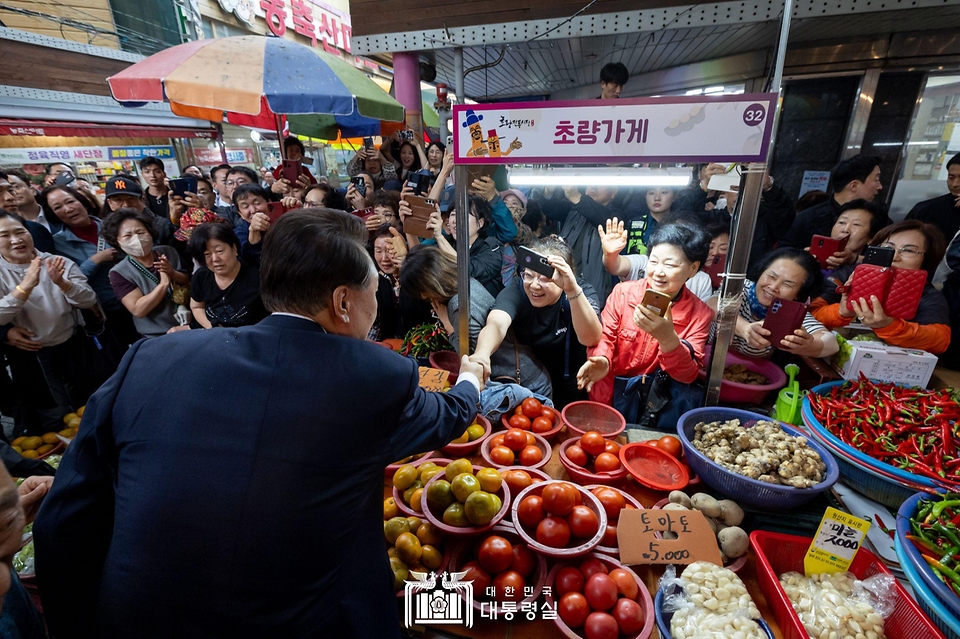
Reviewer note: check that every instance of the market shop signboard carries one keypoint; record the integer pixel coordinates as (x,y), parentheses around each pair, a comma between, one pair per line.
(732,128)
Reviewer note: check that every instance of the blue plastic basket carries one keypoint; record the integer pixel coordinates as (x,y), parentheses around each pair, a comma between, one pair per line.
(928,602)
(741,489)
(664,618)
(811,421)
(940,590)
(867,482)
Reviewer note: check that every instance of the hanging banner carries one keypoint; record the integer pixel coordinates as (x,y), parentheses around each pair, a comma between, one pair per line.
(729,128)
(53,154)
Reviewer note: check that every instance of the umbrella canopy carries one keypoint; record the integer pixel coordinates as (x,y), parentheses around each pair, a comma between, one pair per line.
(253,80)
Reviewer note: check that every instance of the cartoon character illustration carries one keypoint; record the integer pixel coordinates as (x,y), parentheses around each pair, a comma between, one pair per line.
(477,147)
(493,143)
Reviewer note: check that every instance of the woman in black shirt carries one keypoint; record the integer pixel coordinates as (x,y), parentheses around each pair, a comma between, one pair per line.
(224,292)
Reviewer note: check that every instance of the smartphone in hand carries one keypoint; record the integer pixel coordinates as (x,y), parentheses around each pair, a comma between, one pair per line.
(360,185)
(822,247)
(879,256)
(291,171)
(183,185)
(656,301)
(275,210)
(534,261)
(783,318)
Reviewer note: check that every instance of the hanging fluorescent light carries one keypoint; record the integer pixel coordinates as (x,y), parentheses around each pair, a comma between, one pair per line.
(255,136)
(926,143)
(599,176)
(710,90)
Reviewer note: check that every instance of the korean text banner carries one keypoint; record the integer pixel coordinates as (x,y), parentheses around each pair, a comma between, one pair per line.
(733,128)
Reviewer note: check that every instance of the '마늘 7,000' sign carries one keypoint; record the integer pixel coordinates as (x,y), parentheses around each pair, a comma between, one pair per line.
(730,128)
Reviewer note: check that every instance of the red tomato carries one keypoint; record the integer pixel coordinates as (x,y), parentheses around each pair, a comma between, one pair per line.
(509,586)
(530,511)
(495,554)
(583,522)
(670,444)
(541,425)
(553,532)
(524,561)
(626,583)
(629,616)
(610,537)
(531,440)
(530,456)
(496,440)
(591,566)
(600,591)
(550,413)
(578,498)
(573,609)
(606,463)
(531,407)
(515,439)
(600,625)
(517,480)
(613,502)
(576,455)
(518,410)
(520,421)
(568,579)
(559,498)
(593,443)
(476,574)
(611,447)
(502,456)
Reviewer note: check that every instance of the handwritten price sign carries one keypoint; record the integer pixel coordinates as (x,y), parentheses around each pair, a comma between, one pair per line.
(836,543)
(433,379)
(639,544)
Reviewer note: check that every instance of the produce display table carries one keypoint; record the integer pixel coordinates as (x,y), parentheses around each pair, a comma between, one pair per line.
(546,629)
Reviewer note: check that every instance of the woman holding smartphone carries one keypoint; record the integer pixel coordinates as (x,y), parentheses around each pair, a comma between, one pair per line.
(555,315)
(655,323)
(916,246)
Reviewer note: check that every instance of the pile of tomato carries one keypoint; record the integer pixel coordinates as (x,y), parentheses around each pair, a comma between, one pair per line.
(413,545)
(601,601)
(513,446)
(595,454)
(613,502)
(534,416)
(557,515)
(506,566)
(462,498)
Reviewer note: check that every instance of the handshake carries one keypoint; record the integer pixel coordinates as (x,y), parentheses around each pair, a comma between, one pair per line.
(477,365)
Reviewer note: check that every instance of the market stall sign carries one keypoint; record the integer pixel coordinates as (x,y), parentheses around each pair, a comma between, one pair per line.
(54,154)
(637,537)
(836,543)
(96,130)
(433,379)
(317,22)
(140,152)
(730,128)
(212,157)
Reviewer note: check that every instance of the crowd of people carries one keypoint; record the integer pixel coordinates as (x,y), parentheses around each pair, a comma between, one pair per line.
(82,279)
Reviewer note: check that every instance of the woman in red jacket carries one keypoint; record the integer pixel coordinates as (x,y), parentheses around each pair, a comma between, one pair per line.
(636,340)
(917,246)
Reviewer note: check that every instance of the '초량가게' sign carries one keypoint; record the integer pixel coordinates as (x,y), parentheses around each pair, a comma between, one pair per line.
(733,128)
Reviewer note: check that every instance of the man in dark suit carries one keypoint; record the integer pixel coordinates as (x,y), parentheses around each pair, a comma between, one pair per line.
(944,211)
(245,499)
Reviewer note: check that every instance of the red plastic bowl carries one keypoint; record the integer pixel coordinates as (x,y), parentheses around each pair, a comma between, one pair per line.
(653,467)
(631,500)
(392,468)
(737,393)
(583,417)
(449,548)
(447,361)
(466,551)
(468,449)
(461,531)
(398,498)
(643,598)
(589,501)
(584,476)
(542,444)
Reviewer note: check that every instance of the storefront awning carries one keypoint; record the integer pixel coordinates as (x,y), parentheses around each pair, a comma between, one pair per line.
(94,130)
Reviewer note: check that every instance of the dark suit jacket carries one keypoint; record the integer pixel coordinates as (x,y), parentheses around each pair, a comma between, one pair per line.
(242,497)
(941,211)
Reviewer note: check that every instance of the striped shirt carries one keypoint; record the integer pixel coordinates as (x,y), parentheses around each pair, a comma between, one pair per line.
(810,325)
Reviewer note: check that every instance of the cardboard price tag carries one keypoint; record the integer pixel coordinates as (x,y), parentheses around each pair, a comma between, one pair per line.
(433,379)
(836,543)
(636,535)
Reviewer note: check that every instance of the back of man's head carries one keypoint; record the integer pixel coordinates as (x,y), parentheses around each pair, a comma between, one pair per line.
(308,254)
(858,168)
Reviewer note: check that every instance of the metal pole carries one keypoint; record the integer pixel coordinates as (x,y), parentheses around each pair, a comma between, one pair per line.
(220,142)
(460,177)
(444,114)
(741,233)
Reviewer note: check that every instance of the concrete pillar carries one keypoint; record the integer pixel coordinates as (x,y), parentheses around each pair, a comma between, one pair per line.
(406,82)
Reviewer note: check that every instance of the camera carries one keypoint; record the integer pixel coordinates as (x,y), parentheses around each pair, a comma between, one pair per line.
(406,134)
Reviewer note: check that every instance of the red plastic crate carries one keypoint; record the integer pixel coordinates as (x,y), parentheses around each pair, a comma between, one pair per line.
(777,554)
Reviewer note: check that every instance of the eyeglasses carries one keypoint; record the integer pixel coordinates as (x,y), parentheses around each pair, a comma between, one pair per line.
(529,277)
(909,250)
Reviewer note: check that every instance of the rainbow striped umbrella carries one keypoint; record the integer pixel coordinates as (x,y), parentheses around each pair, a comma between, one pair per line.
(254,81)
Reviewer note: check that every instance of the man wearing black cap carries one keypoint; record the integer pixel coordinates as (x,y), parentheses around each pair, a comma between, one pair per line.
(124,192)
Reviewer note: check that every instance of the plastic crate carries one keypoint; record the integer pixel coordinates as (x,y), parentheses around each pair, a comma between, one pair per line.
(739,488)
(935,610)
(777,554)
(865,481)
(664,618)
(910,553)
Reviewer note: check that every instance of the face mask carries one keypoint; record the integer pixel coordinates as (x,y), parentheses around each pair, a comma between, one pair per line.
(135,246)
